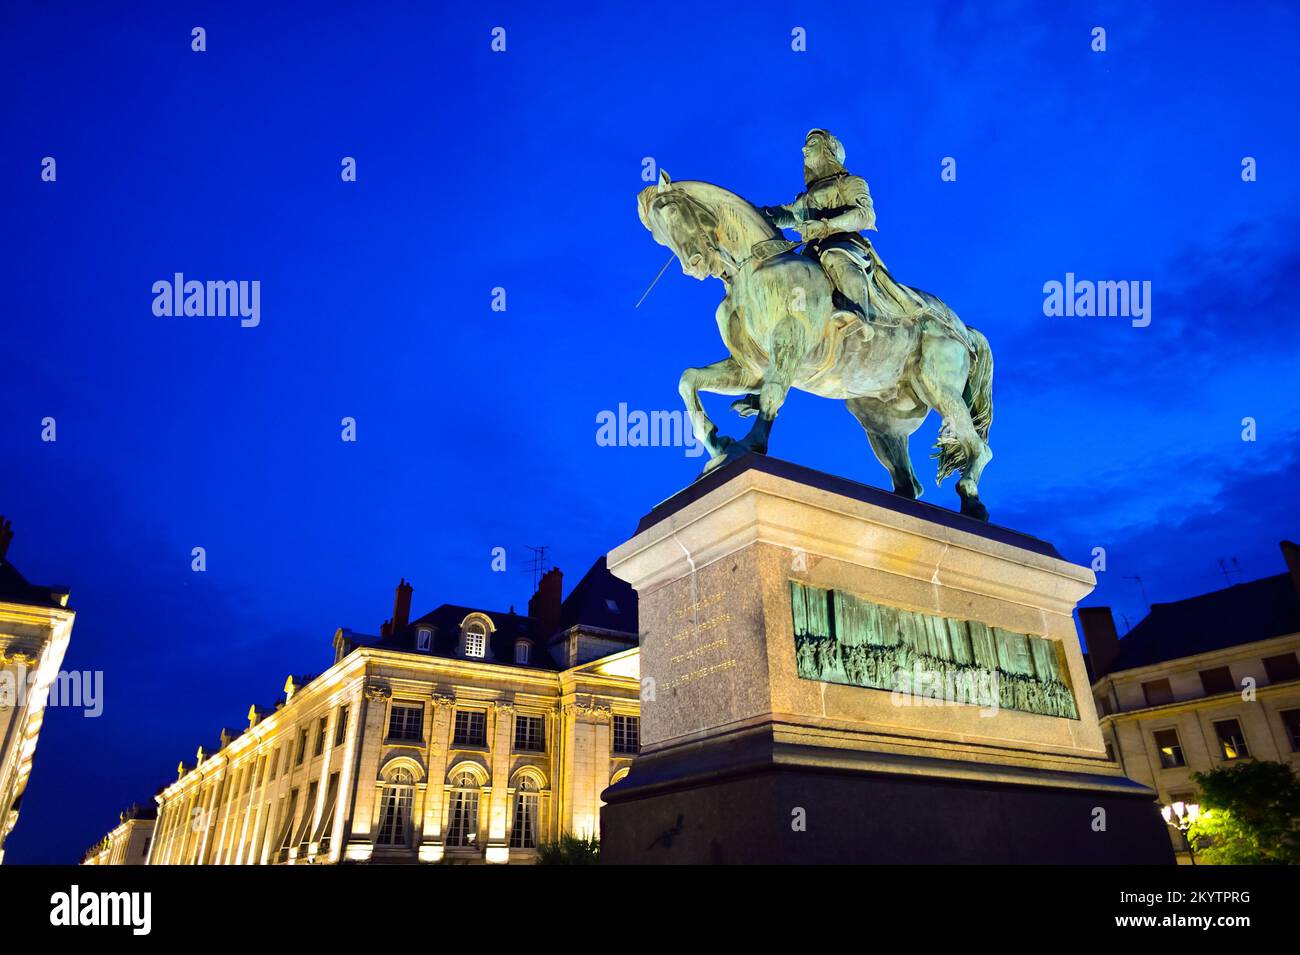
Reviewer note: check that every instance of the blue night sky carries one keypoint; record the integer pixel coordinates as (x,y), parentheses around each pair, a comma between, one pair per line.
(476,428)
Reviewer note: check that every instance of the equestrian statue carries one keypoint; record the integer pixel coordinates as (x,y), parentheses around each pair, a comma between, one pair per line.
(829,320)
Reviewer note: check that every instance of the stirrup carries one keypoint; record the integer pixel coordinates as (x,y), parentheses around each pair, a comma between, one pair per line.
(847,318)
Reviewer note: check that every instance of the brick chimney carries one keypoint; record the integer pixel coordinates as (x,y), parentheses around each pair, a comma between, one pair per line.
(1290,551)
(7,534)
(402,606)
(544,606)
(1102,639)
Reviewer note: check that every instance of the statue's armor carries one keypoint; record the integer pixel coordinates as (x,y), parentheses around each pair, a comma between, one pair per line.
(847,257)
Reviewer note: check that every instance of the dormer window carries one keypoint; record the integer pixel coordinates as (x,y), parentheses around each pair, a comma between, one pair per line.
(424,639)
(522,649)
(472,641)
(475,640)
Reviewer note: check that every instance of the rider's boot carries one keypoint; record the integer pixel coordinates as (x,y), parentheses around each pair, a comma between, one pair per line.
(850,300)
(846,312)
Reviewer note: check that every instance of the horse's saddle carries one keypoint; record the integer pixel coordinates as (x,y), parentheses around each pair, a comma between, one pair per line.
(890,304)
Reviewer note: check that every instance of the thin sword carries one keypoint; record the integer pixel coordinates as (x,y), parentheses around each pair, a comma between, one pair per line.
(657,278)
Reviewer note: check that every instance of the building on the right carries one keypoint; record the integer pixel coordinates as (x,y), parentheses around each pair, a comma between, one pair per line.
(1201,683)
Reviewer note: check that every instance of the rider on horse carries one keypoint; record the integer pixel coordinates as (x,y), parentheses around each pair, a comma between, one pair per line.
(830,216)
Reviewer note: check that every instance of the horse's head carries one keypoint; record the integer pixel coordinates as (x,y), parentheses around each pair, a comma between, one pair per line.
(684,224)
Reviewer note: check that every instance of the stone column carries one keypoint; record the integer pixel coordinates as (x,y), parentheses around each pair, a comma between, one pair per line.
(352,750)
(435,796)
(563,781)
(498,801)
(258,808)
(248,811)
(220,853)
(215,795)
(158,847)
(361,837)
(586,727)
(185,831)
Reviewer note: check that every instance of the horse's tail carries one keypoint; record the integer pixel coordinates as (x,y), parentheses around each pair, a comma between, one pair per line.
(979,385)
(978,395)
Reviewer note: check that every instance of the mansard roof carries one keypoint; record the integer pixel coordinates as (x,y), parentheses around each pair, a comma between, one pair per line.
(599,601)
(445,621)
(1243,613)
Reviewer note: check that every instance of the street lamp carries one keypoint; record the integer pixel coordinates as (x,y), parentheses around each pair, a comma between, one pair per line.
(1180,816)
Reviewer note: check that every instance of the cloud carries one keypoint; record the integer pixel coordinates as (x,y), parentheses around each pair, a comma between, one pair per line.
(1218,306)
(1173,542)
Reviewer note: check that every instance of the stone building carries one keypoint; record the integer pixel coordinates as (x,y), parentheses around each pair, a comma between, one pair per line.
(1201,683)
(129,843)
(464,735)
(35,626)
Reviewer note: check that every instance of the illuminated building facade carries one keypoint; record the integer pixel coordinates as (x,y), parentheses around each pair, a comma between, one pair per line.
(1201,683)
(129,843)
(464,735)
(35,626)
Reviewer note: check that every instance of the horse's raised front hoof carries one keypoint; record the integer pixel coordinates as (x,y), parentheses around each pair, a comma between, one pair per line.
(746,407)
(974,507)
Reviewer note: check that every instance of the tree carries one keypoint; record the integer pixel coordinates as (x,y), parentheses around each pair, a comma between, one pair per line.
(1250,815)
(570,850)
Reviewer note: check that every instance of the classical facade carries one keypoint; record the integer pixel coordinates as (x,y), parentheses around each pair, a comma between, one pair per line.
(464,735)
(1201,683)
(35,626)
(129,843)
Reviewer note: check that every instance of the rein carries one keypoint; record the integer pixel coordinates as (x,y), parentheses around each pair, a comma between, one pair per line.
(767,249)
(704,220)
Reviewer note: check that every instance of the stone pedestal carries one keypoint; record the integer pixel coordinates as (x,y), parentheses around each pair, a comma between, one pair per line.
(839,675)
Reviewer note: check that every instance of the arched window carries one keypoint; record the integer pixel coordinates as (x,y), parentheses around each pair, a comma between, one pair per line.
(424,639)
(475,639)
(395,808)
(523,832)
(462,824)
(522,649)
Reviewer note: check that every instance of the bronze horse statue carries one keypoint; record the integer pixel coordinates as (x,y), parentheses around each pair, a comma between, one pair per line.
(783,331)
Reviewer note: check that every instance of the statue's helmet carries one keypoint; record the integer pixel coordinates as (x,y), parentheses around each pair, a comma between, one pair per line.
(833,145)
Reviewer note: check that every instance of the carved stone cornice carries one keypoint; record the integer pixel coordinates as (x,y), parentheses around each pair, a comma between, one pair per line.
(591,710)
(18,652)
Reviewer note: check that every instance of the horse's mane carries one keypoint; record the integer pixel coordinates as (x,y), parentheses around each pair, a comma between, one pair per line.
(740,223)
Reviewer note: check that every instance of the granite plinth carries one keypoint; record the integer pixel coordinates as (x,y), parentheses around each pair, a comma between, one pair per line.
(726,715)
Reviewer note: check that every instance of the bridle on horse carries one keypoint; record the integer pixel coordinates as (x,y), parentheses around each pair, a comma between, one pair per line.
(702,222)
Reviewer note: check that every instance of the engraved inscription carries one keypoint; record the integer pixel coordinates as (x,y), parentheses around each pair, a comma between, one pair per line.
(699,674)
(687,649)
(703,626)
(712,600)
(693,653)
